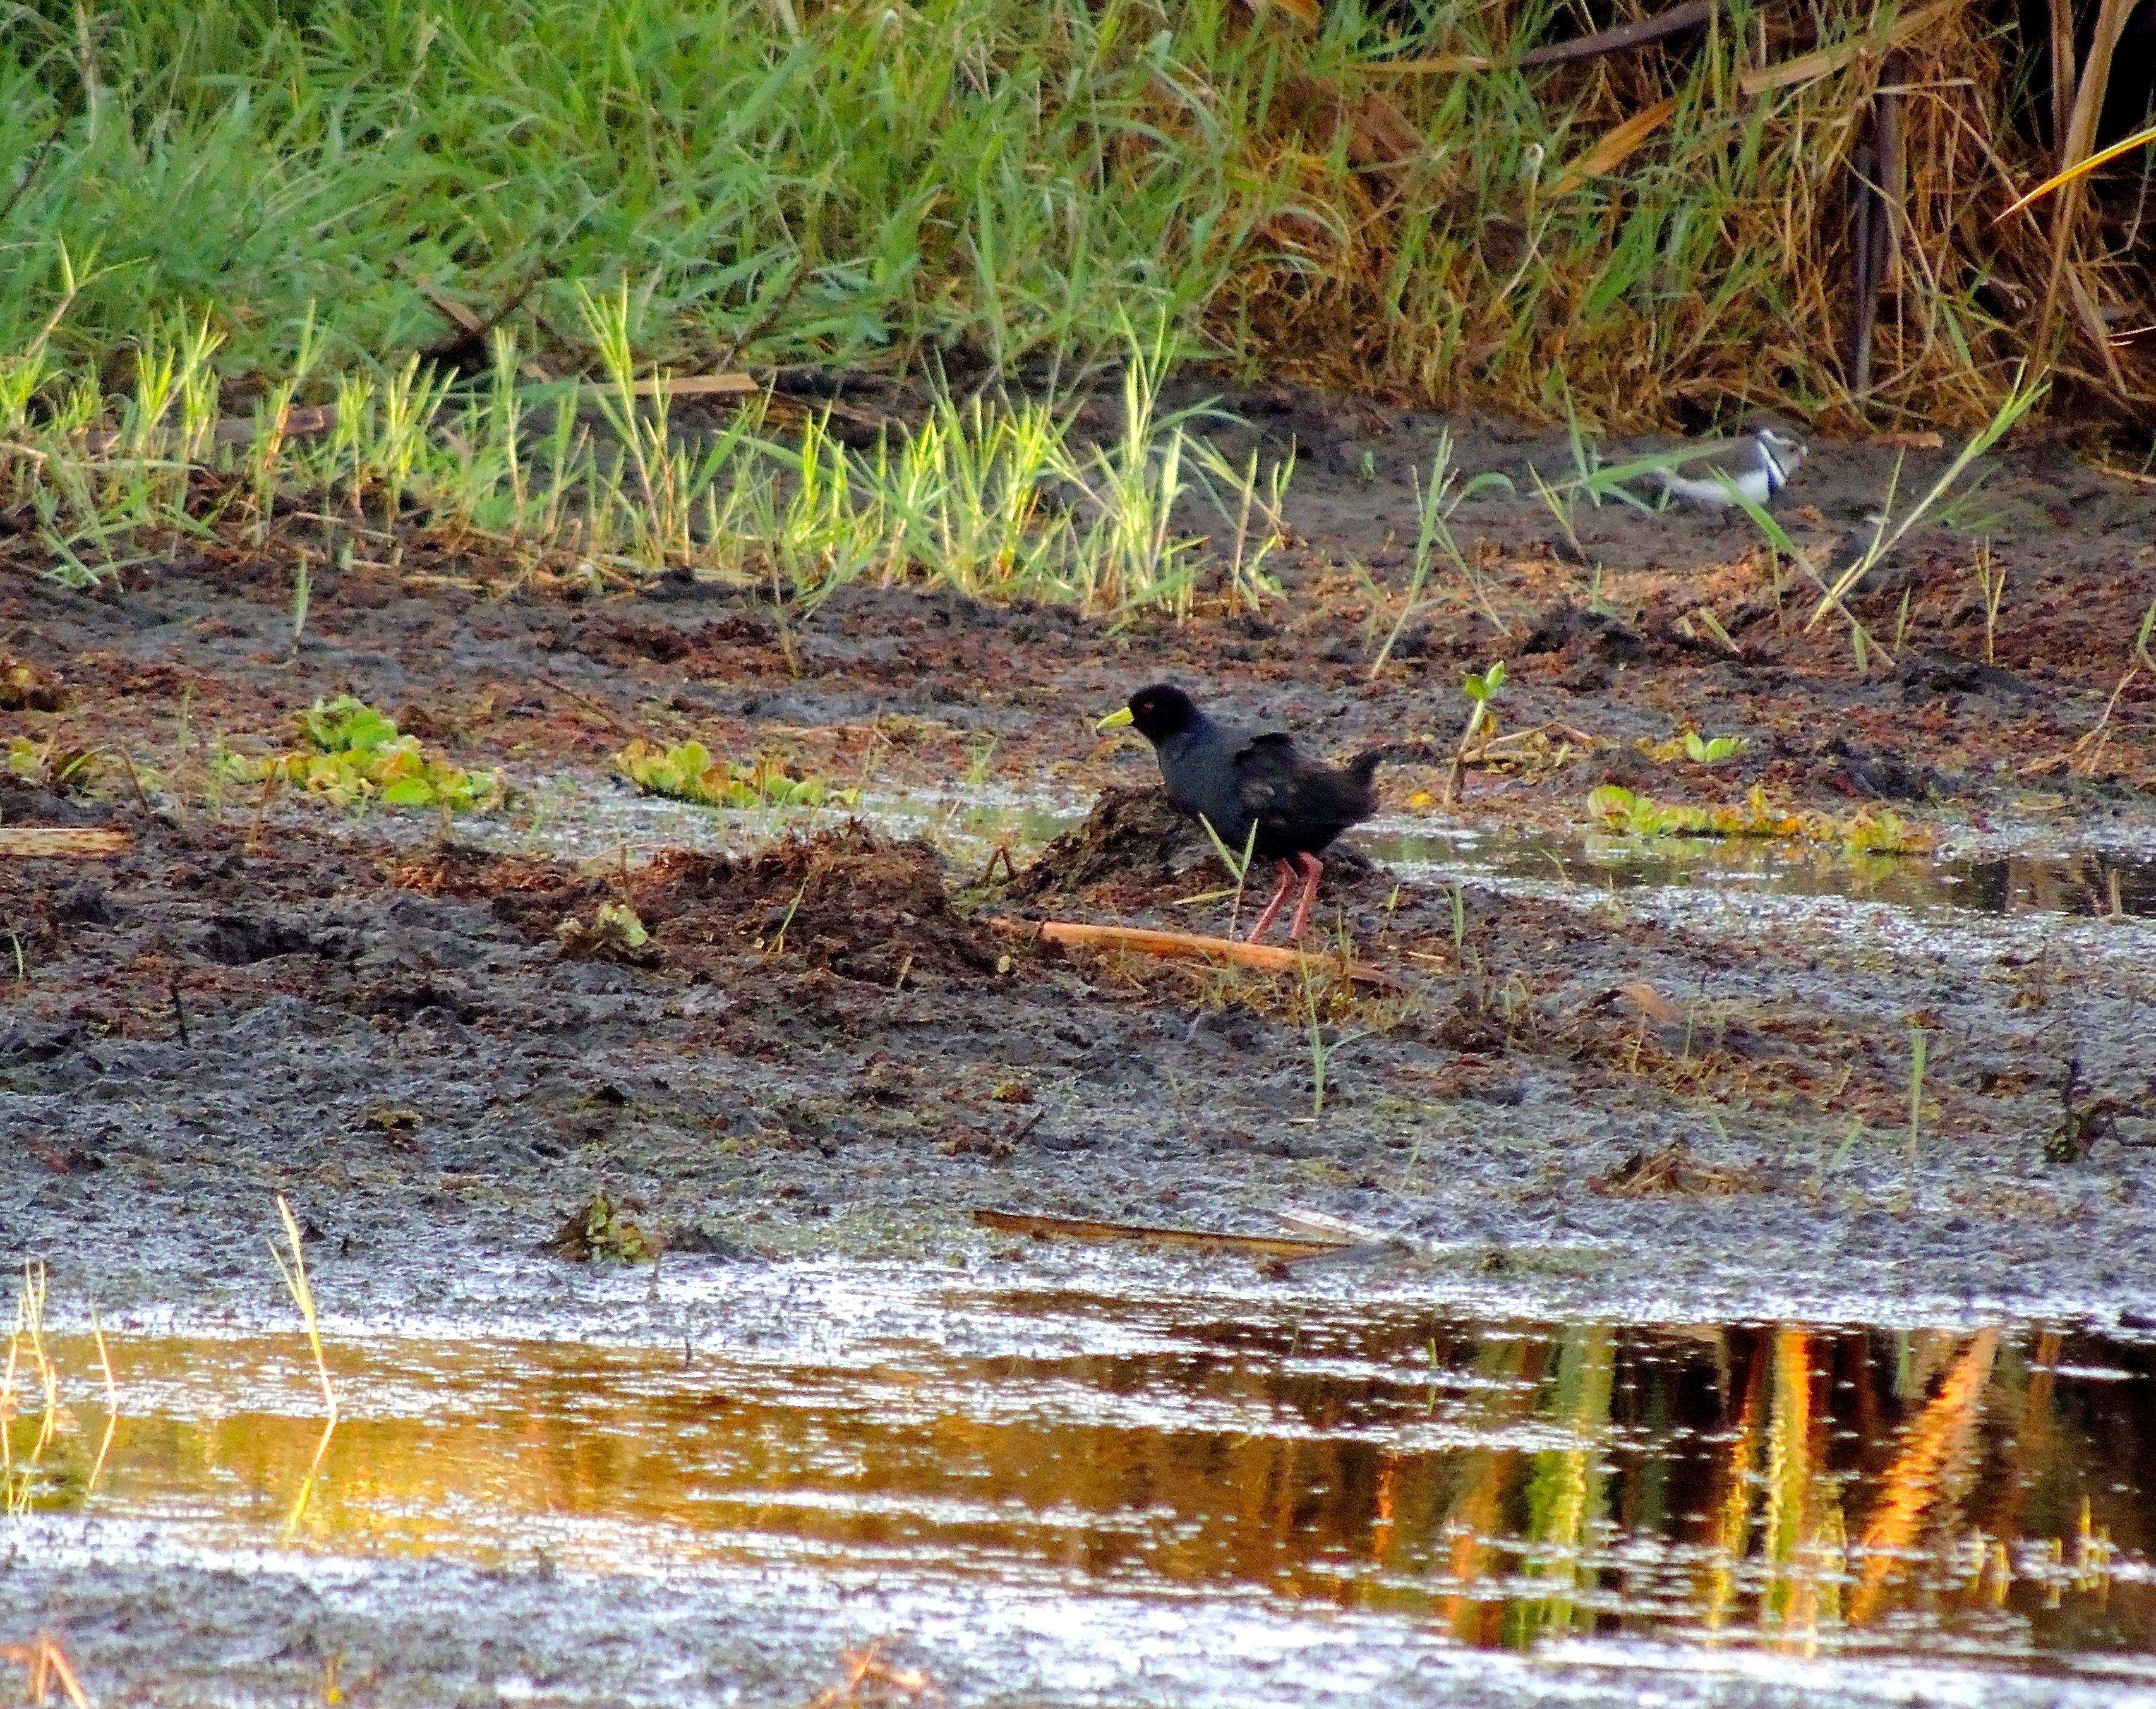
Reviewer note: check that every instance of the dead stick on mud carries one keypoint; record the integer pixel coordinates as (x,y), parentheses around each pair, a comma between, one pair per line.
(61,842)
(127,762)
(597,707)
(2087,765)
(1184,946)
(1041,1227)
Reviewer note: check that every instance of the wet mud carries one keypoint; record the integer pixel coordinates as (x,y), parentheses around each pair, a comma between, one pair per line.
(1606,1072)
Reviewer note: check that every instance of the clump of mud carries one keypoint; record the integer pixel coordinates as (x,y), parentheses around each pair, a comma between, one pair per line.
(1674,1169)
(24,800)
(534,896)
(844,899)
(1136,841)
(1137,848)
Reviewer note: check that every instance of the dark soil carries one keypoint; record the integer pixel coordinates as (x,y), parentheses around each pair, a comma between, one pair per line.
(827,1044)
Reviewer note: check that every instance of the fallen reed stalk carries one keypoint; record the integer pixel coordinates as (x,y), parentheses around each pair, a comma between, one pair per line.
(295,1274)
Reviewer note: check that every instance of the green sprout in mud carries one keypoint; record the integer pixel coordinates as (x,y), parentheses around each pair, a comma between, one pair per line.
(1321,1048)
(689,773)
(1247,584)
(1480,688)
(1690,744)
(355,757)
(1991,586)
(295,1275)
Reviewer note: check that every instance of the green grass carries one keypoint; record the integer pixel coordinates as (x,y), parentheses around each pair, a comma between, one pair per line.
(1008,185)
(989,178)
(475,229)
(591,481)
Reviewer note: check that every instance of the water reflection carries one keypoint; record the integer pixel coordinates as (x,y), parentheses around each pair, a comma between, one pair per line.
(1977,1495)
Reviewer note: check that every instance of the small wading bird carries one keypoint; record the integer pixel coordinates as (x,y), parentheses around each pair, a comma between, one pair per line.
(1252,787)
(1758,467)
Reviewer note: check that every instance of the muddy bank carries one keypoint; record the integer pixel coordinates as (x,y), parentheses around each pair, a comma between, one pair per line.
(1620,625)
(439,1050)
(827,1046)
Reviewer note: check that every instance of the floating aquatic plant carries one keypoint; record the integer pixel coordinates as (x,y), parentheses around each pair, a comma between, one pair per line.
(1874,830)
(355,755)
(690,772)
(1689,744)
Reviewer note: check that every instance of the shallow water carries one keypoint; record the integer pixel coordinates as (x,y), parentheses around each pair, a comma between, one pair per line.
(1843,1496)
(579,818)
(2095,881)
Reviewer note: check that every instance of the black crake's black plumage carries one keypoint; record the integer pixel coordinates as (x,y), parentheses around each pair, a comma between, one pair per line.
(1236,779)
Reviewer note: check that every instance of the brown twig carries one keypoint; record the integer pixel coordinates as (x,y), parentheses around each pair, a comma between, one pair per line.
(1042,1227)
(1689,15)
(1880,176)
(127,764)
(592,704)
(1182,946)
(2093,742)
(61,842)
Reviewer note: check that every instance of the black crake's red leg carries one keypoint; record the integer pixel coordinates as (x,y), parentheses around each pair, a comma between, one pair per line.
(1312,869)
(1280,896)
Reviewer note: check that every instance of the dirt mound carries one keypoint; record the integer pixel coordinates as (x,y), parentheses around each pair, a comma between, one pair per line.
(1136,847)
(1136,839)
(844,899)
(23,802)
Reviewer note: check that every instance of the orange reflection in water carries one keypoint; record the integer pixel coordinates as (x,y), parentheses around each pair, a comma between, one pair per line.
(1784,1485)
